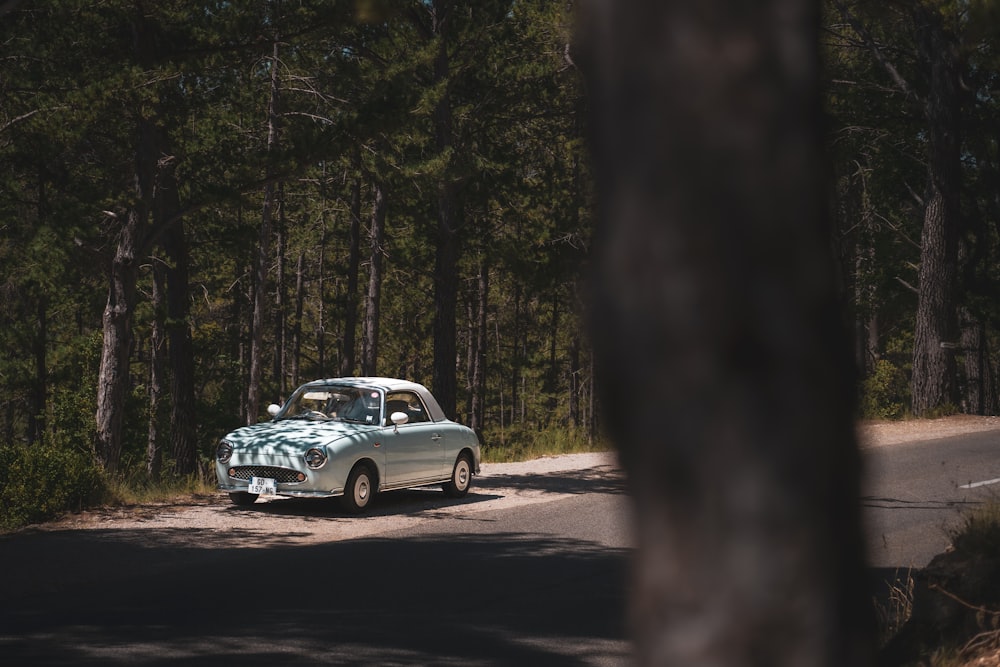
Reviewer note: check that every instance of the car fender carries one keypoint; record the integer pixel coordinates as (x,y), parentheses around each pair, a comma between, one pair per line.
(346,452)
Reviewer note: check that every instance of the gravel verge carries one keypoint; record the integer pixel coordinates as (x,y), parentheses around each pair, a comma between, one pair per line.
(184,521)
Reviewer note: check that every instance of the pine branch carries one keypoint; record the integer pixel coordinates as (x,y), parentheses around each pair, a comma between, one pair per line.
(869,41)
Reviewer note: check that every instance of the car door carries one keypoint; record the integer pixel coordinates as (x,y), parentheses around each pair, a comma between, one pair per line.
(414,451)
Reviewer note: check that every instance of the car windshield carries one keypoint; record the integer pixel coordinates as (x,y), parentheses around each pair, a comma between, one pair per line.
(360,405)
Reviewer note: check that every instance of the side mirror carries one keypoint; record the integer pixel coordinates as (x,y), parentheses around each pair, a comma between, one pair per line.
(399,418)
(273,409)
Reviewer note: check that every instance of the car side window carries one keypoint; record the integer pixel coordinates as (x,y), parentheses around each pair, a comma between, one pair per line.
(407,402)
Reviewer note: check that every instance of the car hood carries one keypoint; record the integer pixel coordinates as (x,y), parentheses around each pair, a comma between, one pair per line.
(292,436)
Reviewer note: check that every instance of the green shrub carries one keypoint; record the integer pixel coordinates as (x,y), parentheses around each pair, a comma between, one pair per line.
(39,483)
(885,394)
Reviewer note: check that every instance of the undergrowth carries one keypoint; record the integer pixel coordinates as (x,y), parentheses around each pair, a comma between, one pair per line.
(40,483)
(136,489)
(962,628)
(523,444)
(979,532)
(892,613)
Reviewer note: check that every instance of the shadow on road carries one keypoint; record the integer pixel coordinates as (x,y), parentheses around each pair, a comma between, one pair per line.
(507,598)
(403,502)
(605,479)
(602,479)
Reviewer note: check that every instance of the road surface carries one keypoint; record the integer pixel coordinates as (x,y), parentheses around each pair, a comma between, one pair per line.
(916,493)
(529,569)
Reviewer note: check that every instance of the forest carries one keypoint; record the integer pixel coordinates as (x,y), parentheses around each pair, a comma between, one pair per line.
(204,204)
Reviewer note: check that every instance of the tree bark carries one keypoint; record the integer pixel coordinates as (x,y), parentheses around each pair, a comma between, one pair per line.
(113,375)
(551,384)
(517,335)
(263,256)
(574,383)
(376,237)
(936,330)
(300,297)
(321,307)
(980,396)
(477,382)
(280,319)
(38,396)
(347,358)
(157,370)
(183,431)
(725,369)
(444,380)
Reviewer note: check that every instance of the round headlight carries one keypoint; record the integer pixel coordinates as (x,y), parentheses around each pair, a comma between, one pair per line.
(315,458)
(224,452)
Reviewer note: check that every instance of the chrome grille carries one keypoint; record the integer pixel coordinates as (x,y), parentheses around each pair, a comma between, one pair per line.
(282,475)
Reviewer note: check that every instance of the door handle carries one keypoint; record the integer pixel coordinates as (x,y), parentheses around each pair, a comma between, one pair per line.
(436,437)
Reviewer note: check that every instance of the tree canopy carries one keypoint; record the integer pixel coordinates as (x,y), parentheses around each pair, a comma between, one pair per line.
(204,204)
(237,184)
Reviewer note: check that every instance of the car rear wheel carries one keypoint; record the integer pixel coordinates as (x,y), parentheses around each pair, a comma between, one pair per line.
(461,478)
(359,489)
(242,498)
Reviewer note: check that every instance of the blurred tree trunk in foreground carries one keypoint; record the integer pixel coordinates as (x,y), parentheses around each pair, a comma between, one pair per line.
(727,377)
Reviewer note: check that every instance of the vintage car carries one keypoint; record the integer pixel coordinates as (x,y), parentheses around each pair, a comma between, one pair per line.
(349,437)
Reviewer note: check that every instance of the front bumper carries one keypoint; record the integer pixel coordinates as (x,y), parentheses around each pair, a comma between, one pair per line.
(291,479)
(235,486)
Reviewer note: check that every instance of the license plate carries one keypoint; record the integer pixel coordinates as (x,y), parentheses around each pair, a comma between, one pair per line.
(263,486)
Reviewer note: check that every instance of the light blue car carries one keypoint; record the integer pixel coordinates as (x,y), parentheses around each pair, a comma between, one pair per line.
(349,437)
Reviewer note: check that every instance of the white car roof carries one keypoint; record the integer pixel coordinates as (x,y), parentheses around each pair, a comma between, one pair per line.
(392,384)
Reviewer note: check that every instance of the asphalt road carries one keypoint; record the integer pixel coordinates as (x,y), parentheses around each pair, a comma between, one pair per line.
(915,494)
(532,583)
(529,569)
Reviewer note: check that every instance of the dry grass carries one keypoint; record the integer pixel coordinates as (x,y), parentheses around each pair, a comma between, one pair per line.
(893,612)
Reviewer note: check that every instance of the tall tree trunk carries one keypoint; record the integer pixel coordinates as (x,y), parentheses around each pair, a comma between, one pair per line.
(376,236)
(574,382)
(980,396)
(551,386)
(183,431)
(168,228)
(936,331)
(720,344)
(39,386)
(38,395)
(347,359)
(300,297)
(444,381)
(321,307)
(517,357)
(113,375)
(280,319)
(238,333)
(263,256)
(477,383)
(157,370)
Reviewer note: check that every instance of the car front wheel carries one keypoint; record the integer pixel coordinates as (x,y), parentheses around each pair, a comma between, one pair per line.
(242,498)
(461,478)
(359,489)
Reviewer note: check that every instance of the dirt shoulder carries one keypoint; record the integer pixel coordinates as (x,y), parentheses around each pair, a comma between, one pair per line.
(181,520)
(881,433)
(500,485)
